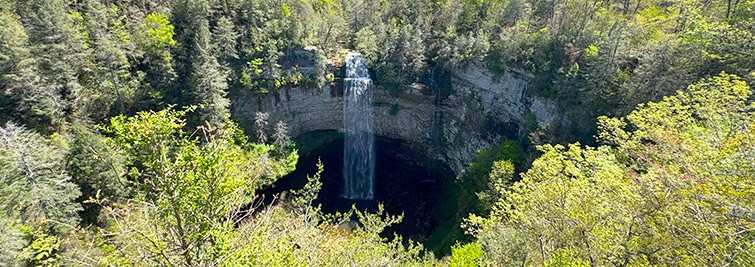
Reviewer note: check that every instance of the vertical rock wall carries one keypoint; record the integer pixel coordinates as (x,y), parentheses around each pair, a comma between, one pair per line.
(481,109)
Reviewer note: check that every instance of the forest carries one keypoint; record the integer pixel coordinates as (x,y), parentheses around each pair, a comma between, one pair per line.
(122,144)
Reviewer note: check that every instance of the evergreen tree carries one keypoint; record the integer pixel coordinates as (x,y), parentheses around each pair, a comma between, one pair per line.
(35,187)
(17,67)
(97,167)
(208,80)
(12,243)
(671,183)
(224,41)
(57,47)
(187,16)
(109,83)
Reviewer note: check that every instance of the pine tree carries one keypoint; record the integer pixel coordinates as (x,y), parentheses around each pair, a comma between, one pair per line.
(224,40)
(187,17)
(209,80)
(97,167)
(56,45)
(110,85)
(11,243)
(17,67)
(34,185)
(13,50)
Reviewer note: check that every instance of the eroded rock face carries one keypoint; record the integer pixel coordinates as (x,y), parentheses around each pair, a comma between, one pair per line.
(482,109)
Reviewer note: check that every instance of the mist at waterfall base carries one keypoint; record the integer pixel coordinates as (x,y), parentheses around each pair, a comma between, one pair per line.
(405,182)
(359,154)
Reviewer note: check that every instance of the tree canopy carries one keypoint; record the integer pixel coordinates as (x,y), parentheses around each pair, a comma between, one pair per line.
(119,145)
(672,186)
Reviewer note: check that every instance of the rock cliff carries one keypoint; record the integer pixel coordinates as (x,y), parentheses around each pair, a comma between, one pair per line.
(481,109)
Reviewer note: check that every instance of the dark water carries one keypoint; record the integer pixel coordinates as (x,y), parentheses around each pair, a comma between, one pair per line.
(405,182)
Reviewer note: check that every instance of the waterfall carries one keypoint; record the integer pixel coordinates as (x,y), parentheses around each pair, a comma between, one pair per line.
(359,155)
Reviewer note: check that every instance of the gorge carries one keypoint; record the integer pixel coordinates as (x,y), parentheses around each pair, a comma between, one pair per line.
(481,108)
(462,133)
(422,140)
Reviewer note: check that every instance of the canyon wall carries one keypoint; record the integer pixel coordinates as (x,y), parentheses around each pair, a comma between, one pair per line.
(481,109)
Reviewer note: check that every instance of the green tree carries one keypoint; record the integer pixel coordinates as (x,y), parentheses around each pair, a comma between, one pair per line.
(11,242)
(366,42)
(672,190)
(224,40)
(35,187)
(465,48)
(300,234)
(491,169)
(17,67)
(159,36)
(571,197)
(403,57)
(272,33)
(192,190)
(156,41)
(97,167)
(109,85)
(691,152)
(57,47)
(468,255)
(209,83)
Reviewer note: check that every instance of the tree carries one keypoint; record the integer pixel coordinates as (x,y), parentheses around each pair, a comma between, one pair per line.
(56,46)
(366,42)
(97,167)
(465,48)
(191,190)
(159,36)
(468,255)
(675,189)
(156,41)
(693,155)
(224,40)
(110,87)
(569,198)
(192,200)
(402,59)
(35,187)
(11,243)
(298,233)
(410,50)
(16,65)
(491,169)
(272,32)
(209,83)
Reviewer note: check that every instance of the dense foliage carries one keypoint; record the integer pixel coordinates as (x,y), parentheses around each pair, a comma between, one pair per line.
(94,59)
(118,145)
(672,186)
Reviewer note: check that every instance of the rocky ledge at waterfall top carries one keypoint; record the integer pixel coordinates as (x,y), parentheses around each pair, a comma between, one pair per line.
(481,109)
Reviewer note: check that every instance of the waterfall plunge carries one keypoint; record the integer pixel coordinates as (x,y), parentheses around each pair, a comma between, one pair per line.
(359,140)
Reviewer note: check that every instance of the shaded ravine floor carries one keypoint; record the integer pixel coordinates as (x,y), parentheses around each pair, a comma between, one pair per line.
(406,182)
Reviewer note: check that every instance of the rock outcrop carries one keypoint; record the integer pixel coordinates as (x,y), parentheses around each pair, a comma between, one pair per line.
(481,109)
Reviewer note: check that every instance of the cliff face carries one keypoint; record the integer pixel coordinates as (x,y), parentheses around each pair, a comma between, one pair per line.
(481,109)
(485,107)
